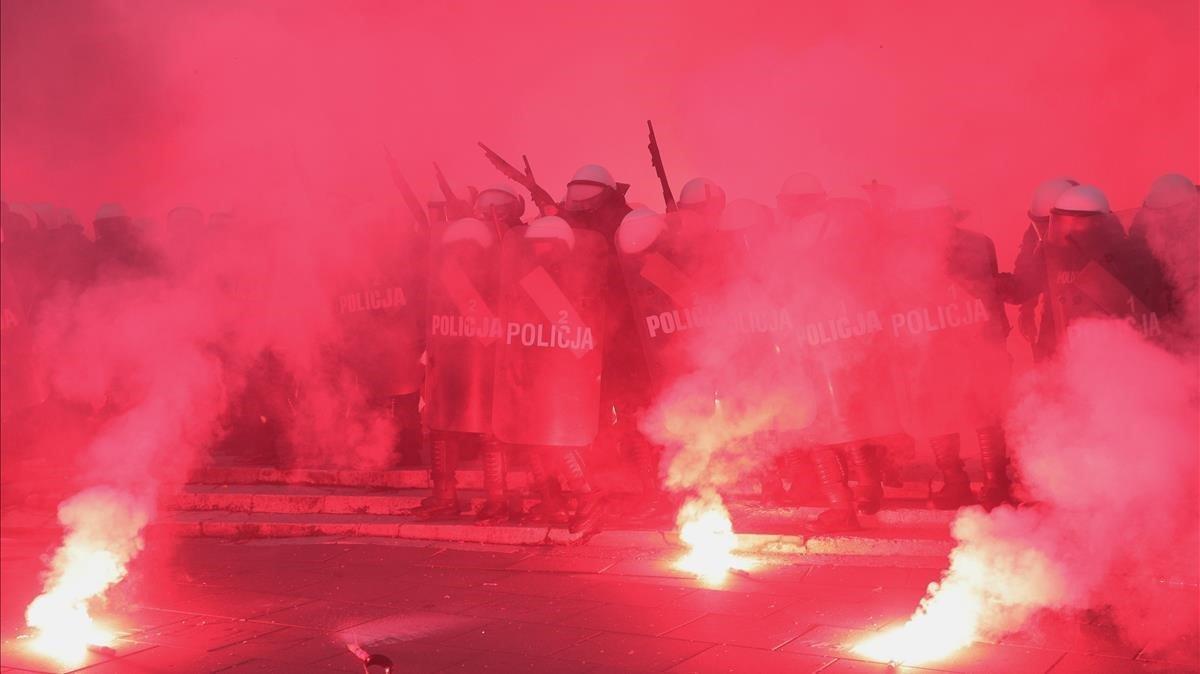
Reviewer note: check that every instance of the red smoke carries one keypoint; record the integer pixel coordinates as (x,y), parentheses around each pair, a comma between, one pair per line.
(277,112)
(155,104)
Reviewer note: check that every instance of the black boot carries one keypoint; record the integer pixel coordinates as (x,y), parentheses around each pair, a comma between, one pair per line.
(590,509)
(832,474)
(805,488)
(956,486)
(867,460)
(444,501)
(407,417)
(651,502)
(552,509)
(495,507)
(994,457)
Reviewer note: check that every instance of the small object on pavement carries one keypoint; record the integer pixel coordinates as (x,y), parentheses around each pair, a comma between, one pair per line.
(370,660)
(106,651)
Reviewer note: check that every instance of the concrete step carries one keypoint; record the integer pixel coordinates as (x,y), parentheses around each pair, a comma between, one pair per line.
(413,478)
(299,499)
(905,542)
(409,478)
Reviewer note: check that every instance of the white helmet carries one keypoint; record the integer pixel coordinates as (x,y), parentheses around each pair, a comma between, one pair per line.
(469,229)
(551,227)
(701,192)
(594,173)
(800,185)
(1170,190)
(588,183)
(1046,194)
(744,214)
(1083,199)
(499,189)
(639,229)
(107,211)
(500,196)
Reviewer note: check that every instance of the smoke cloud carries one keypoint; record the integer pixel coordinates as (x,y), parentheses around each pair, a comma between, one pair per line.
(1109,450)
(275,115)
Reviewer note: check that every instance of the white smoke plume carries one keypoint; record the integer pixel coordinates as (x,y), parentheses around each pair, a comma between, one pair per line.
(1106,440)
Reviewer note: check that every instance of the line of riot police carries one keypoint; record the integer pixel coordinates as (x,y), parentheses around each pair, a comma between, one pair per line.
(889,325)
(880,318)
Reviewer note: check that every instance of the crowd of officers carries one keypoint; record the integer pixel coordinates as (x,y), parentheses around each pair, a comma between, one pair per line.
(548,341)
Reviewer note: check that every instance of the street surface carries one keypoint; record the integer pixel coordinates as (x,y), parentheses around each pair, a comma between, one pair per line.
(292,605)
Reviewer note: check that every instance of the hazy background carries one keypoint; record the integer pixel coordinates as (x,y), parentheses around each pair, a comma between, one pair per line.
(216,103)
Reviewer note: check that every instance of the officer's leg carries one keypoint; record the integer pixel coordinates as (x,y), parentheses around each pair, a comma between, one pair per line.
(443,469)
(589,510)
(552,509)
(867,460)
(805,486)
(406,414)
(832,474)
(956,486)
(994,457)
(495,507)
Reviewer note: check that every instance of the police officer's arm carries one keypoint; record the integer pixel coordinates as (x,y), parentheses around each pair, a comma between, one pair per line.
(1028,277)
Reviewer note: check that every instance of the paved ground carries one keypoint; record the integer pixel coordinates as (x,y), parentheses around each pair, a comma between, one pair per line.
(291,606)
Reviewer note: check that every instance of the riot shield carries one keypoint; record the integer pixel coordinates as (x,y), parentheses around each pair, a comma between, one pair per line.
(665,305)
(464,328)
(1093,269)
(382,316)
(948,328)
(549,354)
(846,355)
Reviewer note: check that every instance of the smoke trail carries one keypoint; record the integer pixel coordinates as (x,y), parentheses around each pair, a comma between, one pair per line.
(1107,444)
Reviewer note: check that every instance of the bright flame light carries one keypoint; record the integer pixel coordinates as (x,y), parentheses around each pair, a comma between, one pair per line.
(103,532)
(946,621)
(705,527)
(995,582)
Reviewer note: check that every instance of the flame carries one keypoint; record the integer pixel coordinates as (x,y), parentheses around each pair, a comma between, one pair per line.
(947,620)
(994,583)
(103,532)
(705,527)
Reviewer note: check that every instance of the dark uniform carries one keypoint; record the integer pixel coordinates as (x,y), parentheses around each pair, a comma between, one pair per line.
(1094,270)
(464,329)
(950,329)
(547,388)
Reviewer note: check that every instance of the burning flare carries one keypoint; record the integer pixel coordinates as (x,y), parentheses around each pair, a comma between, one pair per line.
(705,527)
(946,621)
(996,580)
(103,532)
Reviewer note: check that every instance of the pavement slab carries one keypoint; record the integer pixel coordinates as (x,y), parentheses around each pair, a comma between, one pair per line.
(292,605)
(645,621)
(534,609)
(628,592)
(769,633)
(632,651)
(326,614)
(731,659)
(520,638)
(434,598)
(983,658)
(1083,663)
(744,604)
